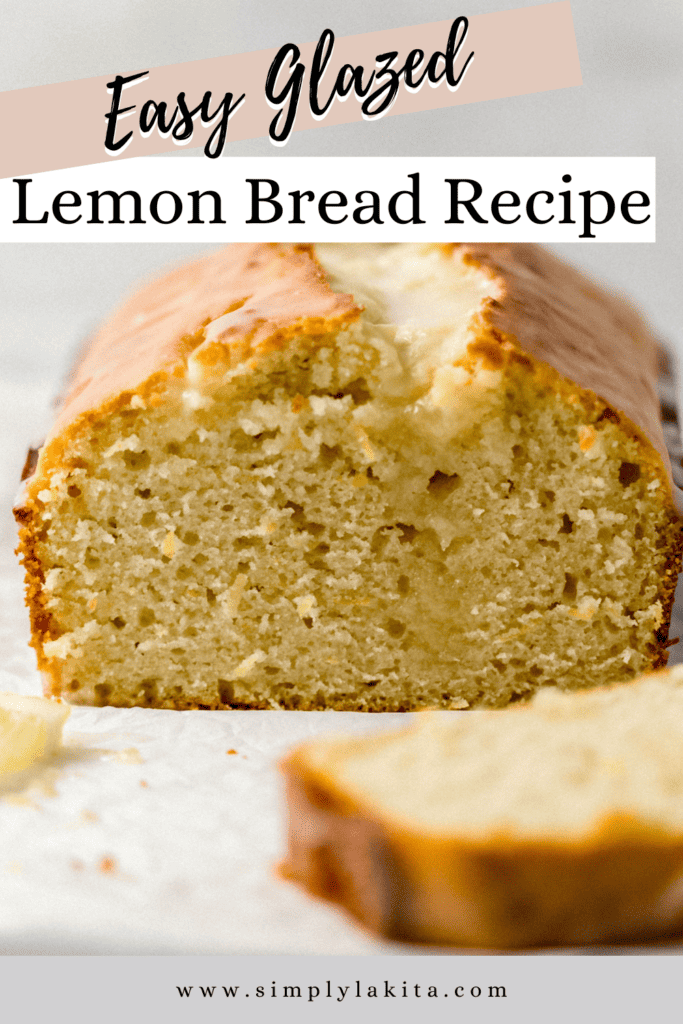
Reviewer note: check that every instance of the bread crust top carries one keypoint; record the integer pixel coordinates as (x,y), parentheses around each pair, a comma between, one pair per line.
(258,297)
(263,294)
(591,337)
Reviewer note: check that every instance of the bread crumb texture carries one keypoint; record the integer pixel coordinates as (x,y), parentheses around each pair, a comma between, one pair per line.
(368,518)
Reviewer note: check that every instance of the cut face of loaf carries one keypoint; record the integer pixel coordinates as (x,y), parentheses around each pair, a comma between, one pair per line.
(554,823)
(380,481)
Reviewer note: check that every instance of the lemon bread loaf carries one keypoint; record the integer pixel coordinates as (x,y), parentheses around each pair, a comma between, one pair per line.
(553,823)
(373,477)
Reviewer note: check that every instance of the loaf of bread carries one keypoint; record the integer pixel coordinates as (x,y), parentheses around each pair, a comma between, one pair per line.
(363,477)
(556,822)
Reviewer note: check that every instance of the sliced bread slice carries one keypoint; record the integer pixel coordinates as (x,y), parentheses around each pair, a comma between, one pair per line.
(552,823)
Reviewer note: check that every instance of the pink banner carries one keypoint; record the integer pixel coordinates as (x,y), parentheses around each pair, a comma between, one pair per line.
(208,103)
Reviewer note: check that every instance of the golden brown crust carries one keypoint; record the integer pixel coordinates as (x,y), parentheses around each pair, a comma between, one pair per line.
(263,295)
(549,311)
(624,882)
